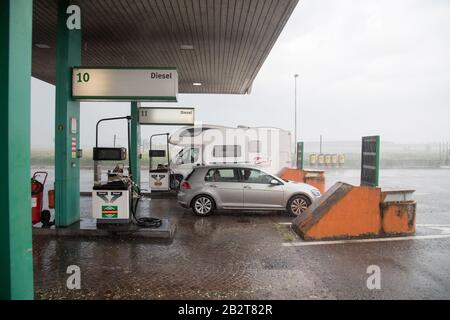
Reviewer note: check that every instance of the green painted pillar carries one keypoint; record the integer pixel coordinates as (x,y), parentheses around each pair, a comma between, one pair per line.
(16,256)
(67,123)
(135,143)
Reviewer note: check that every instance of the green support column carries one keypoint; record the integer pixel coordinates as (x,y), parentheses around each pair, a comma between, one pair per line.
(135,143)
(67,166)
(16,256)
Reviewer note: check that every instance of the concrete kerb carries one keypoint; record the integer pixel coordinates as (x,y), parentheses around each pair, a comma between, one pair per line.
(88,228)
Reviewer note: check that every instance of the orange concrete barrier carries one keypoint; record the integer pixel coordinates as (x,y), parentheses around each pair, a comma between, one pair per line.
(399,218)
(315,178)
(296,175)
(346,212)
(399,212)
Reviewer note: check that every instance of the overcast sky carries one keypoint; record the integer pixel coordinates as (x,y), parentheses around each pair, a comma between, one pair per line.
(366,67)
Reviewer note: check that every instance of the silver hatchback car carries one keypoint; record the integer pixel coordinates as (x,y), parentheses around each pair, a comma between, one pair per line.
(245,188)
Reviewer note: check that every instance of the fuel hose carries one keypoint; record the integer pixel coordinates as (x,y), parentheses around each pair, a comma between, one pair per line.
(144,222)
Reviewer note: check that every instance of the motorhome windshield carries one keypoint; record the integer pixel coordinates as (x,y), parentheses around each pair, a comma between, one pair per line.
(188,155)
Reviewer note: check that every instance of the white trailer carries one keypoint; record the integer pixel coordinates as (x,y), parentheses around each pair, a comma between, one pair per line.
(265,147)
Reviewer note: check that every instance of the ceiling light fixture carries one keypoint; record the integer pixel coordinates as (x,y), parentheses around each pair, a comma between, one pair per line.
(42,46)
(187,47)
(197,84)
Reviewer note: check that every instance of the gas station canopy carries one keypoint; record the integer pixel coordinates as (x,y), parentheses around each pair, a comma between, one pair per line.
(217,46)
(209,46)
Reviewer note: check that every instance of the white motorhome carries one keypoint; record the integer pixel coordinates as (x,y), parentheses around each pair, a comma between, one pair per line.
(265,147)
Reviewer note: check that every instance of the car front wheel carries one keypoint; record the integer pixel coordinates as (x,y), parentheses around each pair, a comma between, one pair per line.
(203,205)
(297,205)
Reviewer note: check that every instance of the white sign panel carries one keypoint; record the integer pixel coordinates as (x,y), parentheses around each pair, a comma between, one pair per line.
(121,84)
(166,116)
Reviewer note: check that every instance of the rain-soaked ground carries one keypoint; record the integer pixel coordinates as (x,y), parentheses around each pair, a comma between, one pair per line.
(238,255)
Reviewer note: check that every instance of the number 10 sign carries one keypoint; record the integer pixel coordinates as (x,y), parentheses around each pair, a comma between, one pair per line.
(124,84)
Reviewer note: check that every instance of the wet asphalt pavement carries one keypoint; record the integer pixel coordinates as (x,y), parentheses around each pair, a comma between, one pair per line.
(238,255)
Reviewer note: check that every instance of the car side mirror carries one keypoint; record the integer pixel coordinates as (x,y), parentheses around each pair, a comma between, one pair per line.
(274,182)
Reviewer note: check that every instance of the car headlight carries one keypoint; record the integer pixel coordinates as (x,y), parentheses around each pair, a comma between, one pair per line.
(316,193)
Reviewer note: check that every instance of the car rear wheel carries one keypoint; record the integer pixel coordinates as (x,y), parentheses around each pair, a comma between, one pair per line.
(203,205)
(297,205)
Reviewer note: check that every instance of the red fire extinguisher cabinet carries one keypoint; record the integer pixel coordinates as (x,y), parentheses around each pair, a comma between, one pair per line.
(37,195)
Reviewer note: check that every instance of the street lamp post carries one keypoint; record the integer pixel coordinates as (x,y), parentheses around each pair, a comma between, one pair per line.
(295,115)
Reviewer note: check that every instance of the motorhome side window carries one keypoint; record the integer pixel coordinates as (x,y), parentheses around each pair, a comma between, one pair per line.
(227,151)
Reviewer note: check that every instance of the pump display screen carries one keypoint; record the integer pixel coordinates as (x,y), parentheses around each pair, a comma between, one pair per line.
(110,154)
(157,153)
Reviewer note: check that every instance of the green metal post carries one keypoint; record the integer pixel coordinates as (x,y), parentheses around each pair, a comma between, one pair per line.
(67,123)
(135,143)
(16,255)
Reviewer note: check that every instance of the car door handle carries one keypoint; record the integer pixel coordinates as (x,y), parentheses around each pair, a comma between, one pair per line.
(247,187)
(213,186)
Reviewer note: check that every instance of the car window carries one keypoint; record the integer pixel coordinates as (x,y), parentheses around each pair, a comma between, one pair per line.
(222,175)
(255,176)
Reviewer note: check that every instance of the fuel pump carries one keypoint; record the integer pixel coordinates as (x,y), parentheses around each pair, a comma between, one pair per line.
(115,201)
(161,176)
(159,172)
(111,200)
